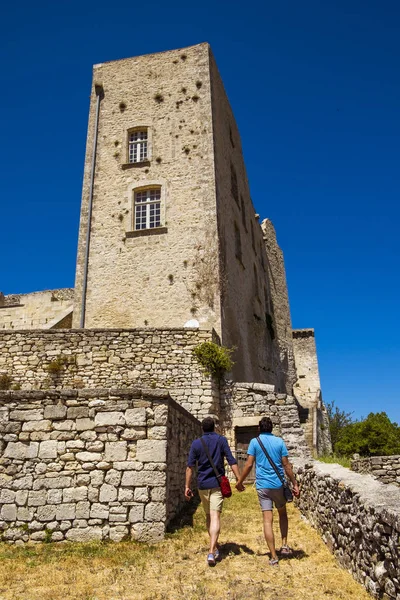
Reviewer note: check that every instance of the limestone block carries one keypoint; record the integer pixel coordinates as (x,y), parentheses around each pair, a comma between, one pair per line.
(125,495)
(135,416)
(96,478)
(115,451)
(141,494)
(155,511)
(128,465)
(57,482)
(48,449)
(95,446)
(82,479)
(161,414)
(158,494)
(21,497)
(88,534)
(83,510)
(136,513)
(57,536)
(75,494)
(157,433)
(26,415)
(44,425)
(64,425)
(54,496)
(88,456)
(46,513)
(23,483)
(65,512)
(75,444)
(108,493)
(143,478)
(54,412)
(85,424)
(37,498)
(24,513)
(77,412)
(151,450)
(99,511)
(134,433)
(113,477)
(21,451)
(7,496)
(119,533)
(109,418)
(148,532)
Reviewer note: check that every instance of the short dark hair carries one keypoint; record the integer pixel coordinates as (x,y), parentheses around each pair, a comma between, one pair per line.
(265,425)
(208,424)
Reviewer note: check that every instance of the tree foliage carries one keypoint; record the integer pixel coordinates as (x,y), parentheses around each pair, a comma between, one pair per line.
(376,435)
(338,421)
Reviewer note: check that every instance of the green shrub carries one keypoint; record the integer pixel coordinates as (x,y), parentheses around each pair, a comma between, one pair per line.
(55,366)
(215,360)
(5,381)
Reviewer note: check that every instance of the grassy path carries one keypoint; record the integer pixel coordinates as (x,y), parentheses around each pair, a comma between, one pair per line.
(176,569)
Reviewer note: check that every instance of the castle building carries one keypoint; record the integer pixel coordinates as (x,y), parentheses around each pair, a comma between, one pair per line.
(101,385)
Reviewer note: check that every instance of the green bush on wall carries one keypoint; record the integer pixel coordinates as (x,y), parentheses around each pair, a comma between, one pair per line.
(215,360)
(5,381)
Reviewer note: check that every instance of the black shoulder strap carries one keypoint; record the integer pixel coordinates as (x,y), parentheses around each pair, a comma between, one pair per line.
(273,465)
(209,458)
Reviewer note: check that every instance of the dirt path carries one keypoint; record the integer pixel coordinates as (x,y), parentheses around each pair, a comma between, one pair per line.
(176,569)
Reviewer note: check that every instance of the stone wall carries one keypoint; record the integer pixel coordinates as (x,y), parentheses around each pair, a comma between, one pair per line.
(278,309)
(384,468)
(37,310)
(91,464)
(244,404)
(359,519)
(118,358)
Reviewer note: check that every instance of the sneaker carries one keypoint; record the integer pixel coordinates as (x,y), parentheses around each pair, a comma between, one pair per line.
(274,562)
(211,560)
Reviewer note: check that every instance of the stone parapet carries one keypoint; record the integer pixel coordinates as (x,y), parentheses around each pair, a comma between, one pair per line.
(91,464)
(384,468)
(359,519)
(104,358)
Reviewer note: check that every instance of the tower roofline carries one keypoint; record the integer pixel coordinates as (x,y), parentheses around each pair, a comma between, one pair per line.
(140,56)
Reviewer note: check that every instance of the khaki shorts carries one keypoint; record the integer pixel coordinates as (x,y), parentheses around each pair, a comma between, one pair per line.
(211,499)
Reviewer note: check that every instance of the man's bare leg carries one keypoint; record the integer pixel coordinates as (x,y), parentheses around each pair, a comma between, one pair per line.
(283,524)
(213,526)
(269,532)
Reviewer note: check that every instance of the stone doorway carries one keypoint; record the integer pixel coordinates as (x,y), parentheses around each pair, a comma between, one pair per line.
(243,435)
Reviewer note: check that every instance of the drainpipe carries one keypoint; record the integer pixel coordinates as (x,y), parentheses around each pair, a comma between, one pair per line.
(100,94)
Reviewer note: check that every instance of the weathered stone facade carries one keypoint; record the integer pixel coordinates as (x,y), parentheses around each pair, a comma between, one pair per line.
(359,519)
(157,358)
(91,464)
(244,404)
(38,310)
(307,391)
(384,468)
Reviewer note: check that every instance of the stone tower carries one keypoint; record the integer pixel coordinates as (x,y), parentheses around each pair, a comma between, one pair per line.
(173,239)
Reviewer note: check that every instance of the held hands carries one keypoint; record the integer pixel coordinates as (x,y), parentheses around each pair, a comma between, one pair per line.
(240,487)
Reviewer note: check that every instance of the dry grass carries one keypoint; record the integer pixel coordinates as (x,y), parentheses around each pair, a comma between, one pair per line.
(176,568)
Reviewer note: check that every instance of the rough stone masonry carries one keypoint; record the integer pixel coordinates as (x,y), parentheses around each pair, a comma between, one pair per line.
(91,464)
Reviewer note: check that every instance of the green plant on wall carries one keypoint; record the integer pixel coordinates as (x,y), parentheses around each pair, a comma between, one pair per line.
(56,366)
(5,381)
(215,360)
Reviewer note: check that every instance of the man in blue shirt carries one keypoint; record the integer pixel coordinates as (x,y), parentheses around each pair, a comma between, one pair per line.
(268,484)
(207,482)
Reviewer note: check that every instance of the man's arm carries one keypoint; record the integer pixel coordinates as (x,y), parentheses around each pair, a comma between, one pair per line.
(289,472)
(246,470)
(188,478)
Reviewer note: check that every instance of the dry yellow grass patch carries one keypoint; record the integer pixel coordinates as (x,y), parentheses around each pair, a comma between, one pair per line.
(176,568)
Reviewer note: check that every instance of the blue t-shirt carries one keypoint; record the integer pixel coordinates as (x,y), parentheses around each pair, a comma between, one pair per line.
(218,449)
(265,474)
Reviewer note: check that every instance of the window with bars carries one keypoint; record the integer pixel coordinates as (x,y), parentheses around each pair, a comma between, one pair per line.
(147,208)
(137,146)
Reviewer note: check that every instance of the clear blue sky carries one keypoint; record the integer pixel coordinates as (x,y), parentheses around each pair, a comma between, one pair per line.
(315,89)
